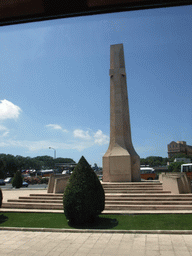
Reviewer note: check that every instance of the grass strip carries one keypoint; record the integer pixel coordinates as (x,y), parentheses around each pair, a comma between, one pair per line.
(118,222)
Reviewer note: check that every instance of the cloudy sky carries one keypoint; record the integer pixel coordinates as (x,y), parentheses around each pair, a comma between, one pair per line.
(54,81)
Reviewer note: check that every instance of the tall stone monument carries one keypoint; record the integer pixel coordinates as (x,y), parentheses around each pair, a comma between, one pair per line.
(120,162)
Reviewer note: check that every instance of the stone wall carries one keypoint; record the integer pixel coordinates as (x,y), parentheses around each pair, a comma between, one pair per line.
(57,183)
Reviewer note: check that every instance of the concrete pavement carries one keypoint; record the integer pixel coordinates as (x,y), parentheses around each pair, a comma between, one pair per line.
(93,244)
(16,193)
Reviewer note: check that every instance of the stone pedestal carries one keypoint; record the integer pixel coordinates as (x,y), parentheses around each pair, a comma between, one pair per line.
(120,162)
(177,183)
(57,183)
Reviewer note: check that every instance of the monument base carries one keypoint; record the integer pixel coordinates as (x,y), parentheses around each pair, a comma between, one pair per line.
(117,168)
(135,168)
(120,166)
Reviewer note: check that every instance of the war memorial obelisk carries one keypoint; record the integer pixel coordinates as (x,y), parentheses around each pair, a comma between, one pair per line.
(120,163)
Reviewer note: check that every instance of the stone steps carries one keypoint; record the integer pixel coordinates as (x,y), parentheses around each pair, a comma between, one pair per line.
(136,185)
(48,195)
(133,187)
(122,202)
(32,205)
(113,207)
(148,207)
(128,191)
(123,197)
(148,199)
(118,197)
(32,200)
(124,186)
(42,197)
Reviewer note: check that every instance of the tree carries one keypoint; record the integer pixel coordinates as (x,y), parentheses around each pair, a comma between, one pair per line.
(154,161)
(2,169)
(17,180)
(1,197)
(11,167)
(175,167)
(63,160)
(144,161)
(9,164)
(164,161)
(48,161)
(95,167)
(84,197)
(20,162)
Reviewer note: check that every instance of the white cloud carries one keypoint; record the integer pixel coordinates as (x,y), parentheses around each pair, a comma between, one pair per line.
(101,138)
(4,131)
(8,110)
(81,134)
(81,141)
(56,127)
(5,134)
(40,145)
(2,128)
(3,144)
(97,138)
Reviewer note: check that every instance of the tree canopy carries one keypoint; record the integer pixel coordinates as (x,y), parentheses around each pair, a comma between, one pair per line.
(154,161)
(175,167)
(9,164)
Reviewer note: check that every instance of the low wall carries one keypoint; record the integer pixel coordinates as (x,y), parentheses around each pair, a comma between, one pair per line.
(177,183)
(57,183)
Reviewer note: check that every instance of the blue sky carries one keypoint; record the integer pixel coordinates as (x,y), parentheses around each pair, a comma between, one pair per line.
(55,84)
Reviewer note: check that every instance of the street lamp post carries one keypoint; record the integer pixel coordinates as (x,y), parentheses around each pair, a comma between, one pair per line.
(54,152)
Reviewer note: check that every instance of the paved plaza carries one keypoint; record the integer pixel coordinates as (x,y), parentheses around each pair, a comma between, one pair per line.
(93,244)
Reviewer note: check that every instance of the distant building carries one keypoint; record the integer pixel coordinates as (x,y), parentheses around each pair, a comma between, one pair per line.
(182,159)
(179,147)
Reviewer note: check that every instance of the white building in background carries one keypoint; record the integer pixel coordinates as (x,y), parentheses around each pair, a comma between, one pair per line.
(182,159)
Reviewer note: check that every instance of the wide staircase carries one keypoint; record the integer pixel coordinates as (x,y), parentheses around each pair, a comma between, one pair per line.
(119,196)
(143,196)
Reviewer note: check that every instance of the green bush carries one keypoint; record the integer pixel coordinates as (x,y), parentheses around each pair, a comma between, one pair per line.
(17,180)
(44,180)
(1,197)
(175,167)
(32,180)
(84,197)
(36,180)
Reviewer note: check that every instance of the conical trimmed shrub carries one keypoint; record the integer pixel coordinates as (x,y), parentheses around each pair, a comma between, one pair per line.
(84,197)
(17,180)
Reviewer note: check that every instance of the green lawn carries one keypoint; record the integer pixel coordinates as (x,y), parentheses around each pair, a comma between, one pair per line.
(118,222)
